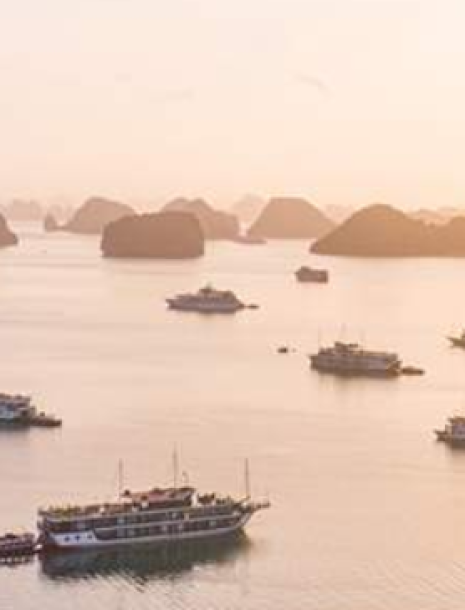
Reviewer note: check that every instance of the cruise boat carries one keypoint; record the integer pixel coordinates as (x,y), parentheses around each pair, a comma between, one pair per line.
(458,341)
(17,545)
(207,300)
(18,410)
(309,274)
(453,432)
(167,515)
(352,359)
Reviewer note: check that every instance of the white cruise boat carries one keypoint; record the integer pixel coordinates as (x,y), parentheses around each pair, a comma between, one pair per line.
(165,515)
(18,410)
(352,359)
(207,300)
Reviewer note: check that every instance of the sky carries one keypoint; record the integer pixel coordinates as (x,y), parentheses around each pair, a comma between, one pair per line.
(341,101)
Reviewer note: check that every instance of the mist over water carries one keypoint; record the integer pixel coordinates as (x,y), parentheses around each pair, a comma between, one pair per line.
(367,508)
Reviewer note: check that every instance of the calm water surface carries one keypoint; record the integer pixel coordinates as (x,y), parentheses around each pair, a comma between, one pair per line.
(368,510)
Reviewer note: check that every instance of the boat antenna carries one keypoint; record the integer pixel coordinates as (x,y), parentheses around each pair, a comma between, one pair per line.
(175,467)
(247,479)
(120,478)
(342,333)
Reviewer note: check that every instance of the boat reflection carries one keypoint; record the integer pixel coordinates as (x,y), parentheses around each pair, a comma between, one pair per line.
(143,562)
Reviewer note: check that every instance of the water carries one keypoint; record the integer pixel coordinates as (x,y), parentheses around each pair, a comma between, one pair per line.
(367,509)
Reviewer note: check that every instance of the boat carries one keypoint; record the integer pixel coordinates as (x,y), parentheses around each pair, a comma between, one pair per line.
(17,410)
(161,515)
(17,545)
(453,432)
(412,370)
(352,359)
(458,341)
(309,274)
(207,300)
(44,420)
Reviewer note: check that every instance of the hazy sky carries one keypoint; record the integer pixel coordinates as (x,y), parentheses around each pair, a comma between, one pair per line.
(344,101)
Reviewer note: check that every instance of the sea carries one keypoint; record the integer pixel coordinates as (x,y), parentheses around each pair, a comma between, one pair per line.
(367,509)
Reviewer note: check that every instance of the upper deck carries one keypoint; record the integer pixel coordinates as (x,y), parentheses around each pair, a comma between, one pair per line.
(354,350)
(152,500)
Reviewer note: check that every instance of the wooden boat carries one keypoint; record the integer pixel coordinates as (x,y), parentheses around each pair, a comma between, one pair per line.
(308,274)
(17,545)
(458,341)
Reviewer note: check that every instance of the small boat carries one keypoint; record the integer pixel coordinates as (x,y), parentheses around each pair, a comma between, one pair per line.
(17,545)
(44,420)
(453,432)
(283,349)
(309,274)
(458,341)
(412,370)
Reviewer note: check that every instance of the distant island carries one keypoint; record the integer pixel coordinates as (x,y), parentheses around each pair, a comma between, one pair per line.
(383,231)
(93,216)
(30,210)
(215,224)
(51,223)
(438,216)
(169,235)
(22,210)
(248,208)
(7,237)
(290,218)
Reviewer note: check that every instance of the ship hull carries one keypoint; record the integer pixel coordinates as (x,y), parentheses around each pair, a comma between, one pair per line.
(312,279)
(446,437)
(14,423)
(35,421)
(457,342)
(355,372)
(206,309)
(90,539)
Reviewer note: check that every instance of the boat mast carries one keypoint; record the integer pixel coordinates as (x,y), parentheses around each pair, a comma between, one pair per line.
(247,479)
(175,467)
(120,479)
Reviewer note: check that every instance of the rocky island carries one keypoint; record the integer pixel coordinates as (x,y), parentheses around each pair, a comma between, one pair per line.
(22,210)
(290,218)
(7,237)
(50,223)
(95,214)
(383,231)
(215,223)
(168,235)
